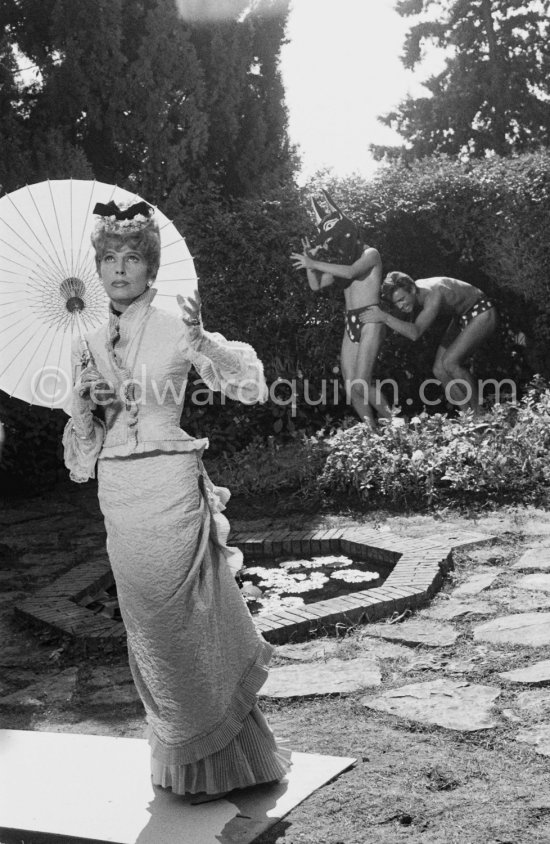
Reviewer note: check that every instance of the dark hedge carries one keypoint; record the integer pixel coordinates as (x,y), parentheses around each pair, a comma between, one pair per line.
(485,222)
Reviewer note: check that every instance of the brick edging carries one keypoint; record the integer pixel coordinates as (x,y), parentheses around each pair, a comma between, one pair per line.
(417,569)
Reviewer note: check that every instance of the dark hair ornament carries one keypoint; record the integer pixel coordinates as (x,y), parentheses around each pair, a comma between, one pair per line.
(123,218)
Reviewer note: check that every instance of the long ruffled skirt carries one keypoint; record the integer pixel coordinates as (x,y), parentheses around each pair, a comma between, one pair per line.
(196,658)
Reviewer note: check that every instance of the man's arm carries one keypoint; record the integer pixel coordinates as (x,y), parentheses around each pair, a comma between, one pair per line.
(316,280)
(411,330)
(359,269)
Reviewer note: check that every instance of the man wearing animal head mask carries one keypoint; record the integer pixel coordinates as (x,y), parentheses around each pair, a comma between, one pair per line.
(338,256)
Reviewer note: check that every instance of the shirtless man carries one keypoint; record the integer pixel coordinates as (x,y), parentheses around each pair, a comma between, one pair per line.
(357,270)
(473,320)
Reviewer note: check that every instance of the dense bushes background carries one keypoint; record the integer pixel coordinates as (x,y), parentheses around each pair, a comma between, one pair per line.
(434,461)
(485,222)
(436,217)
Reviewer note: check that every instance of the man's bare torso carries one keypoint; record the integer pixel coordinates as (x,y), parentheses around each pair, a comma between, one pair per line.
(456,297)
(364,290)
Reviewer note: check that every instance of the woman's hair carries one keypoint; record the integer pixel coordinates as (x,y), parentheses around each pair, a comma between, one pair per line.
(146,241)
(396,281)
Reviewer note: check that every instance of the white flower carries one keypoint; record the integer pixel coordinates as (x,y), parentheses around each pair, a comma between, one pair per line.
(294,564)
(332,562)
(275,603)
(417,456)
(355,576)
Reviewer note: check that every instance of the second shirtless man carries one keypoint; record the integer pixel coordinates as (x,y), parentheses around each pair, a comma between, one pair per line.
(473,320)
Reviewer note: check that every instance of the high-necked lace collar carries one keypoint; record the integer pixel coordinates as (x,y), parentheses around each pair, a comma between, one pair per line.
(134,312)
(123,330)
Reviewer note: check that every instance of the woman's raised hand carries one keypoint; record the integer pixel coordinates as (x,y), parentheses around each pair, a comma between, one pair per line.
(190,308)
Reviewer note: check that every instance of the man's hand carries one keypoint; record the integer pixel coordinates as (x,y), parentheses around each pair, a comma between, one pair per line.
(372,314)
(304,261)
(300,262)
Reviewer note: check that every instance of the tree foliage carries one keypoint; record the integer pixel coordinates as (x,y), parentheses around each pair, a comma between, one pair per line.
(493,94)
(247,144)
(146,94)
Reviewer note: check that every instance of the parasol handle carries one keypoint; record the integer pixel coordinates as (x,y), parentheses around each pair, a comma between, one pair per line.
(86,357)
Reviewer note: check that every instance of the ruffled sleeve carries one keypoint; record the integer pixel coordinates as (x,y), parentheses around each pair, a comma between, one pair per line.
(228,366)
(84,433)
(81,451)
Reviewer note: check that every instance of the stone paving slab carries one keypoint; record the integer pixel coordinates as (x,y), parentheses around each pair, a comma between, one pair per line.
(335,676)
(463,665)
(537,674)
(537,736)
(453,704)
(535,582)
(383,649)
(478,583)
(532,629)
(454,608)
(308,651)
(518,600)
(535,703)
(535,558)
(429,633)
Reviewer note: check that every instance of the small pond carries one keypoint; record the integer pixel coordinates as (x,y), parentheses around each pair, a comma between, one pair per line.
(292,581)
(275,584)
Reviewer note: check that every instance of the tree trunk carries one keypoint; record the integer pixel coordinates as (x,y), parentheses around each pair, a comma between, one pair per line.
(497,75)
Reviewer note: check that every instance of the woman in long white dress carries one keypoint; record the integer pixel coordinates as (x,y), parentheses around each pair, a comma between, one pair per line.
(195,655)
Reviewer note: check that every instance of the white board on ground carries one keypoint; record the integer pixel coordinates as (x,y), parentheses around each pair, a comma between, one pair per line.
(99,787)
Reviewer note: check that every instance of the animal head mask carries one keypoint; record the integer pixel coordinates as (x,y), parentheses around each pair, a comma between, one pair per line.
(339,237)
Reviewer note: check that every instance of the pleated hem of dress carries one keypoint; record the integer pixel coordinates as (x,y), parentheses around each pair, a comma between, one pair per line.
(242,702)
(253,757)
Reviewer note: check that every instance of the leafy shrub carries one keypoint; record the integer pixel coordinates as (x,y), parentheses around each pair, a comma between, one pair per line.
(267,468)
(502,457)
(31,459)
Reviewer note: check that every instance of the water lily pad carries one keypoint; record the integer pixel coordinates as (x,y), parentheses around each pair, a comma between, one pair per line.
(355,576)
(276,602)
(315,579)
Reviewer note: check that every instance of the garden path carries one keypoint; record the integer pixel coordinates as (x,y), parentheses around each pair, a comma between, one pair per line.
(446,709)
